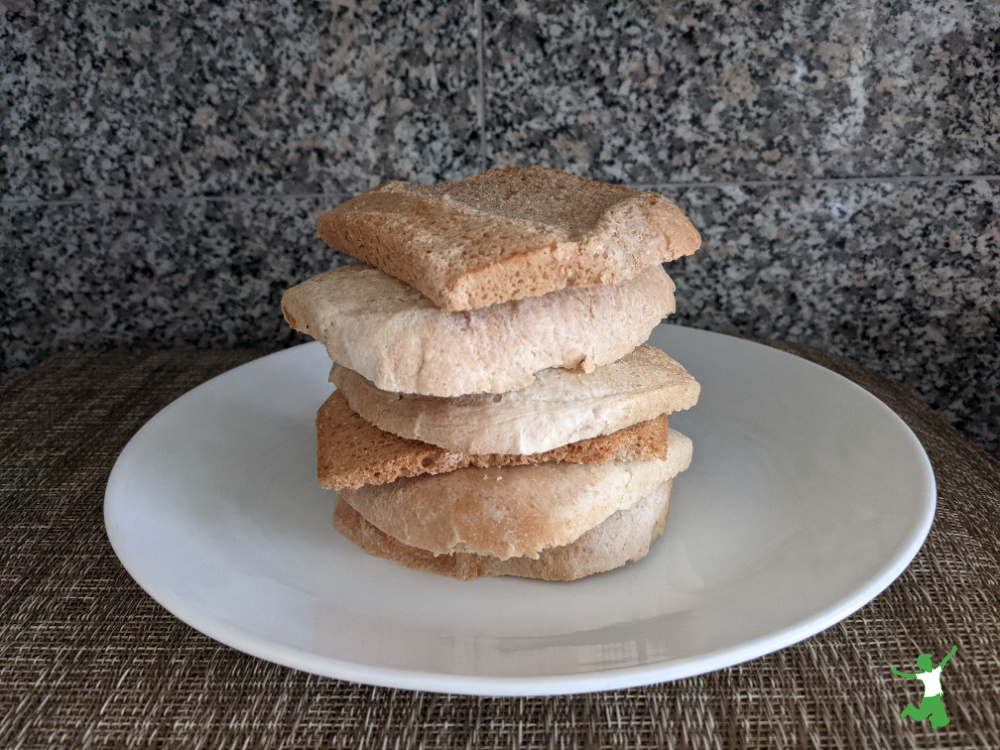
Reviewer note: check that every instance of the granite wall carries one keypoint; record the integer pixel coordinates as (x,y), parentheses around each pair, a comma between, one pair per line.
(163,162)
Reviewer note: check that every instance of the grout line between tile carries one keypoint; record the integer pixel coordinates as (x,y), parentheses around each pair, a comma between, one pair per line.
(14,202)
(821,181)
(339,196)
(481,62)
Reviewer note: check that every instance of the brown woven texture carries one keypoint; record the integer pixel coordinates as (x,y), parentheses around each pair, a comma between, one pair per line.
(88,660)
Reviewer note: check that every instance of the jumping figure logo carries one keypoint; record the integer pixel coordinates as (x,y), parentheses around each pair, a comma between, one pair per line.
(932,704)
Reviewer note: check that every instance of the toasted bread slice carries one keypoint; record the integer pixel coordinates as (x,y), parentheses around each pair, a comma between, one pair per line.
(560,407)
(351,452)
(515,511)
(623,537)
(393,336)
(508,234)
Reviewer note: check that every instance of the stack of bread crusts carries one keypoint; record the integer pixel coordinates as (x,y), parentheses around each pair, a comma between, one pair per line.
(496,411)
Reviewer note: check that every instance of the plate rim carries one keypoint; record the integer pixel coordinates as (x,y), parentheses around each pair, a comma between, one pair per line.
(536,685)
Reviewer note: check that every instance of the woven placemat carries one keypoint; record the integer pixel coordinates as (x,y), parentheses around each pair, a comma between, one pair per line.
(88,660)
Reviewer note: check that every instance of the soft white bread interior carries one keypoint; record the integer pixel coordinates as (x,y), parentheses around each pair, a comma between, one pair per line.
(558,408)
(516,511)
(508,234)
(396,338)
(623,537)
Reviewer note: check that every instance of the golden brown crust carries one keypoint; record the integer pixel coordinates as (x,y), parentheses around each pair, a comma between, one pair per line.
(351,452)
(508,234)
(622,538)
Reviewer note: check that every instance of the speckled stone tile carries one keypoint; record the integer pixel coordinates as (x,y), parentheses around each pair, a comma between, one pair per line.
(153,274)
(139,99)
(902,278)
(702,90)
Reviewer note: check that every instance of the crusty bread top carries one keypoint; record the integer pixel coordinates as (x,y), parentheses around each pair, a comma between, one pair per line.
(560,407)
(508,234)
(515,511)
(392,335)
(623,537)
(351,452)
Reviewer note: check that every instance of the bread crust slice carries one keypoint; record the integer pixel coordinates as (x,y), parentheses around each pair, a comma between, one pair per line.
(558,408)
(351,452)
(393,336)
(623,537)
(508,234)
(515,511)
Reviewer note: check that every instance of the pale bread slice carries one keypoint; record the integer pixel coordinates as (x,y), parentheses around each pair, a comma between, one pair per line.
(392,335)
(623,537)
(515,511)
(508,234)
(351,452)
(558,408)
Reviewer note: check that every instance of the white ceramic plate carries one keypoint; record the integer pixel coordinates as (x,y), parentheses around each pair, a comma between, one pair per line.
(806,498)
